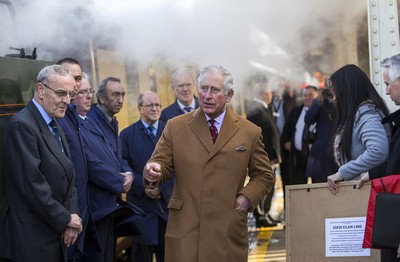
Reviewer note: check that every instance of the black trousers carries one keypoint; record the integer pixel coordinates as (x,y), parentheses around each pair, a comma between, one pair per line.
(144,253)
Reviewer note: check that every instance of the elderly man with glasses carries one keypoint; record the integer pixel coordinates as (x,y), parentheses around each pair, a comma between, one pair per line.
(40,216)
(138,142)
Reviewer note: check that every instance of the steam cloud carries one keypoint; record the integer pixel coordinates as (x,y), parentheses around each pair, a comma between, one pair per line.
(241,35)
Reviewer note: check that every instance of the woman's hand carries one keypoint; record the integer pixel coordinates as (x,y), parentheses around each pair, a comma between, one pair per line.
(332,179)
(363,178)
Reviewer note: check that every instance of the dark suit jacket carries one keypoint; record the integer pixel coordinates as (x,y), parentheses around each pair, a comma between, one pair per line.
(392,165)
(321,160)
(100,119)
(137,147)
(287,135)
(174,110)
(263,118)
(73,135)
(40,192)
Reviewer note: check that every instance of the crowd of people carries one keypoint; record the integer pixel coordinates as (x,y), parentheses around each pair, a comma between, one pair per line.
(68,164)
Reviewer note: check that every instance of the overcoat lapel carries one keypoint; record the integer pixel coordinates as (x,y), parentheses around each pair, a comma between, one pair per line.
(228,130)
(48,137)
(200,128)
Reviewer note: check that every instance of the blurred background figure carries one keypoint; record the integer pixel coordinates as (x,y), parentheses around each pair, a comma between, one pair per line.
(259,113)
(321,162)
(292,138)
(183,84)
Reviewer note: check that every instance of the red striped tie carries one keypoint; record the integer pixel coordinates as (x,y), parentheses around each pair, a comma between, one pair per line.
(213,130)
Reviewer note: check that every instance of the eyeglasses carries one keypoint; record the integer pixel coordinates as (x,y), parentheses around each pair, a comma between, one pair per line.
(86,92)
(62,93)
(157,106)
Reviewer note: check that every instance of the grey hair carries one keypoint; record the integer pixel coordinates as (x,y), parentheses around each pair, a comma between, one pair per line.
(50,70)
(103,85)
(228,79)
(260,88)
(182,71)
(85,76)
(393,63)
(140,97)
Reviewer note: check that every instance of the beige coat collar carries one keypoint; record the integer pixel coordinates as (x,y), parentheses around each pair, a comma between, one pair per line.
(199,126)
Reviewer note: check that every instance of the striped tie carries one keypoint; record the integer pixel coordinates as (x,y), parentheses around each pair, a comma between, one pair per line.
(56,133)
(213,130)
(151,133)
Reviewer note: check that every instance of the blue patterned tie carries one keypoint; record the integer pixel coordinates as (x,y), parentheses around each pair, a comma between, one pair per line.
(151,133)
(187,109)
(56,133)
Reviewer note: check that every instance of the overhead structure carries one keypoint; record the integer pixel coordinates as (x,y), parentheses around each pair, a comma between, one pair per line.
(383,27)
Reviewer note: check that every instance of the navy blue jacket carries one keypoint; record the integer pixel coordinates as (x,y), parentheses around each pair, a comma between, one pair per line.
(321,160)
(137,147)
(101,120)
(105,181)
(174,110)
(72,132)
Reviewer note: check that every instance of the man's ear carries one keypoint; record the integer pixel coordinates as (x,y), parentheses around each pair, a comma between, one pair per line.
(100,99)
(230,95)
(40,89)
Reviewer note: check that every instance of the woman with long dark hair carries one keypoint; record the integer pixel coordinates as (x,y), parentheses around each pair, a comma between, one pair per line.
(361,142)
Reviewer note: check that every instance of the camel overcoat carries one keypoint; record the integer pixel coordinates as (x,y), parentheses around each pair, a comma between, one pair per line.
(203,224)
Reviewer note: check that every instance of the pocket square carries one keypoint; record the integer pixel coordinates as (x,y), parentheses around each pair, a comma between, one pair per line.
(241,148)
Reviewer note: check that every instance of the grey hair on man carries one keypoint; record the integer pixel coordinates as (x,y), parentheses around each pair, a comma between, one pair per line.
(50,70)
(393,63)
(179,72)
(228,79)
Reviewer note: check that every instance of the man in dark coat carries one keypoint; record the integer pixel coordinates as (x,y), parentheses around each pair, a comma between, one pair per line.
(391,166)
(40,217)
(183,85)
(70,124)
(138,144)
(260,114)
(109,175)
(292,137)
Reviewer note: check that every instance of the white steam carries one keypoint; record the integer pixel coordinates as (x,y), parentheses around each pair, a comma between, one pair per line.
(242,35)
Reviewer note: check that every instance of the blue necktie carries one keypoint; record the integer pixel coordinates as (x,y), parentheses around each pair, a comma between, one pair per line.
(187,109)
(151,133)
(56,133)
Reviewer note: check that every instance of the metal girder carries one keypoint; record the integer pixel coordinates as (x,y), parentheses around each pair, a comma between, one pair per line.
(383,30)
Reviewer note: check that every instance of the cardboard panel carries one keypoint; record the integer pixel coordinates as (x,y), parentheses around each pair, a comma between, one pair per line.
(307,206)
